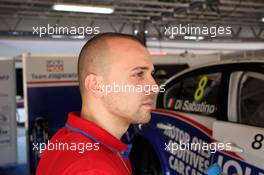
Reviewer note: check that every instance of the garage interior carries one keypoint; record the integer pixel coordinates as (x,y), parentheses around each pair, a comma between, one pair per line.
(146,19)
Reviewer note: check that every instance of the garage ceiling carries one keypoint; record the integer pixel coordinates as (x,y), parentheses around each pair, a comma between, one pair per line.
(242,13)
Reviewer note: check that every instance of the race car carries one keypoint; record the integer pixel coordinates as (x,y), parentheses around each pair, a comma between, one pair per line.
(207,105)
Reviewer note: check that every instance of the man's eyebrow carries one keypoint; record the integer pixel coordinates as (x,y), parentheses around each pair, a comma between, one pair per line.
(140,68)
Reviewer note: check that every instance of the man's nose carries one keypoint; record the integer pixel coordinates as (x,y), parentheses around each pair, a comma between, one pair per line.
(154,86)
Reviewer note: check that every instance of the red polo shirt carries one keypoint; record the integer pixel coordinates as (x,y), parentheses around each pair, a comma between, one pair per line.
(84,148)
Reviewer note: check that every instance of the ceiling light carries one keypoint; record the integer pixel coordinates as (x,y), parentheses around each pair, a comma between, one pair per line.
(193,37)
(83,8)
(262,19)
(57,36)
(190,37)
(78,37)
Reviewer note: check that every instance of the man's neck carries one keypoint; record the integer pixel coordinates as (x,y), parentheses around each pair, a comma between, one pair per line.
(113,124)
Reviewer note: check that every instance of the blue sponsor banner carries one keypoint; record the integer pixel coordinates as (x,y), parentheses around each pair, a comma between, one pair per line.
(53,104)
(48,108)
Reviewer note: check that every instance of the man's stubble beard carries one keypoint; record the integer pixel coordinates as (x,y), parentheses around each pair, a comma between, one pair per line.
(113,105)
(144,116)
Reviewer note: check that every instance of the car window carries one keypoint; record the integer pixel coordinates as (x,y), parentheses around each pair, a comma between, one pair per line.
(197,94)
(251,99)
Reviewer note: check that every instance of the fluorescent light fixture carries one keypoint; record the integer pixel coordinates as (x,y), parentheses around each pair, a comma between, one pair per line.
(200,37)
(190,37)
(193,37)
(57,36)
(78,37)
(83,8)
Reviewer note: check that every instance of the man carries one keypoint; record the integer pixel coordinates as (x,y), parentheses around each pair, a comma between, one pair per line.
(106,60)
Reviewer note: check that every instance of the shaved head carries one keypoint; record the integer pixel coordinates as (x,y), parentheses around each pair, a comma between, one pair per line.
(94,56)
(106,64)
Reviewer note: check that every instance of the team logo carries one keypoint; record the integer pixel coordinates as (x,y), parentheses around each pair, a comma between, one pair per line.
(55,65)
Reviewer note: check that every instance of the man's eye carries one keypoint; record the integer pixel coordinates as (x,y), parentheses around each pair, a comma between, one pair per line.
(139,74)
(153,74)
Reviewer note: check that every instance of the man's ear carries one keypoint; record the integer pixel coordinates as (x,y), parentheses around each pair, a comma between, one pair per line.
(92,84)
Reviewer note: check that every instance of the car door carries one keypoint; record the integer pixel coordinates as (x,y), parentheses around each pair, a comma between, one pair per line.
(244,127)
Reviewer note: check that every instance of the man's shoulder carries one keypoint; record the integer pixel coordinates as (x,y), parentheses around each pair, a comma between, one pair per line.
(68,149)
(64,134)
(73,163)
(66,144)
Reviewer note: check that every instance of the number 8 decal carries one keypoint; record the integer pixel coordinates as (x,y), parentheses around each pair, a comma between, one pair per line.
(200,90)
(257,143)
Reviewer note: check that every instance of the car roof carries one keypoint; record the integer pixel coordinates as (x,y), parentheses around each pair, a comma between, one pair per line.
(215,63)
